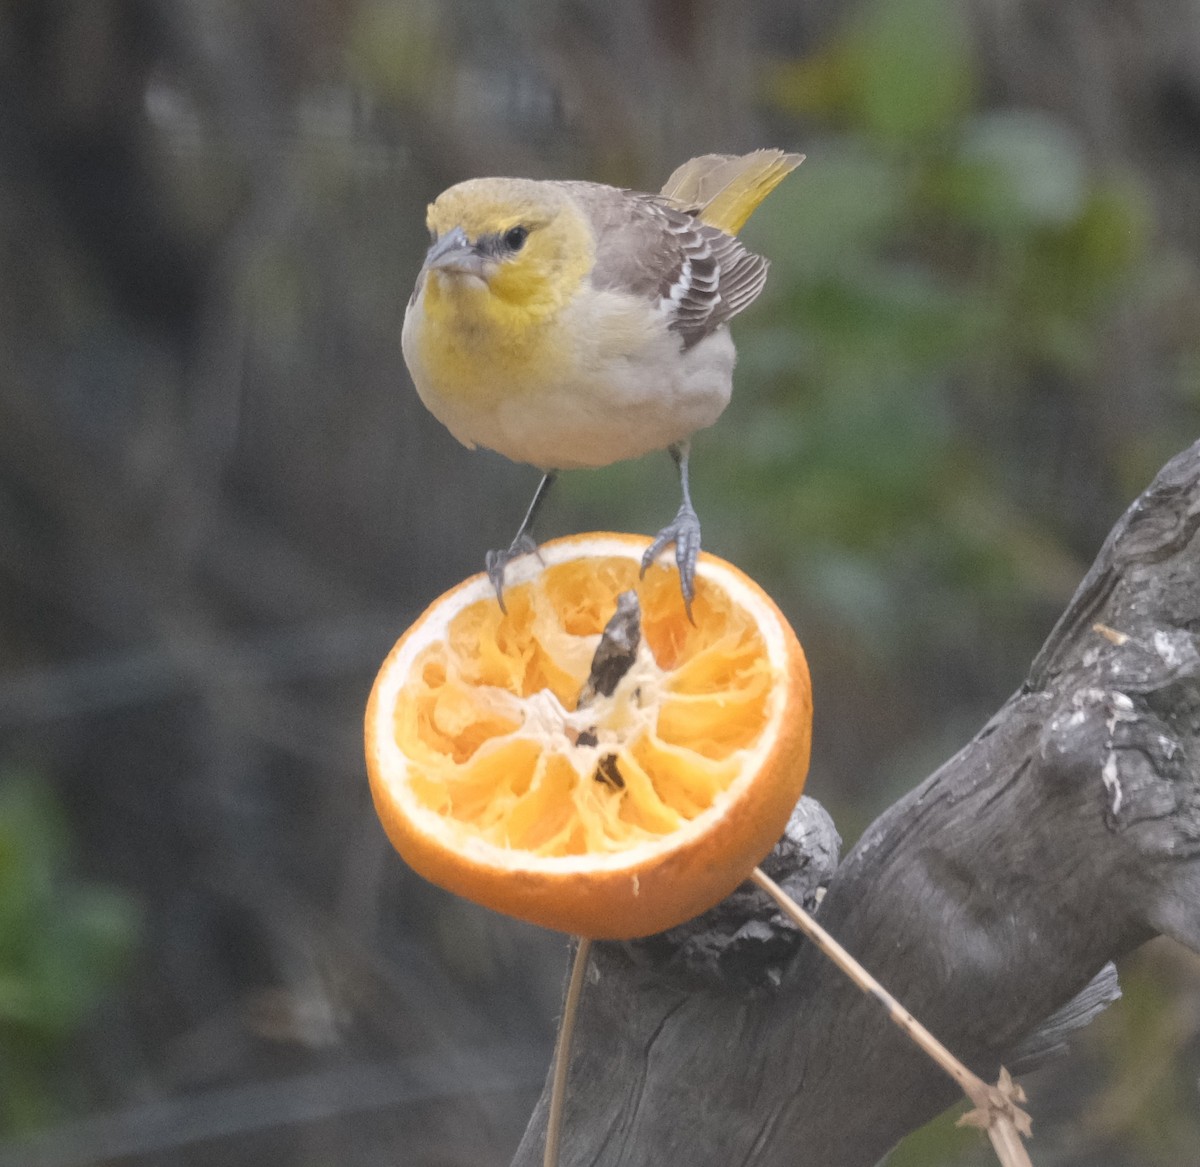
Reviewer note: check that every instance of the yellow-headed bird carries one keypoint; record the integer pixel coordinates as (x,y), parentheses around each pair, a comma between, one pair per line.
(571,324)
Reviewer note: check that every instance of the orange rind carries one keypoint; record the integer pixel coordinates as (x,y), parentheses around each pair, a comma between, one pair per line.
(613,819)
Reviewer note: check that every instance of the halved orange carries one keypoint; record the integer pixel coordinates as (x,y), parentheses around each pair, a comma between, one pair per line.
(618,818)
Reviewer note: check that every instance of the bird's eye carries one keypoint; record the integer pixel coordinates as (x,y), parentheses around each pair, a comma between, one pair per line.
(514,238)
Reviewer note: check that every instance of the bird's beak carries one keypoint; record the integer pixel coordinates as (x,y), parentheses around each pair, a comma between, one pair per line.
(454,252)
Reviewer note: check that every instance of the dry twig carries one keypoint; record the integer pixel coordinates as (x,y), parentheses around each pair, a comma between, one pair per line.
(562,1052)
(996,1107)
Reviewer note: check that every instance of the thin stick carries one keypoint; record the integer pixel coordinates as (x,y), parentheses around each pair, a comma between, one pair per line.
(996,1107)
(562,1052)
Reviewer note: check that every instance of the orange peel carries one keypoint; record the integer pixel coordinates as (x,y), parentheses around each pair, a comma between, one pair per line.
(613,819)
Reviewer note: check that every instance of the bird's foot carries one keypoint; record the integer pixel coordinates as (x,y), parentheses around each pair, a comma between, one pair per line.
(497,561)
(684,532)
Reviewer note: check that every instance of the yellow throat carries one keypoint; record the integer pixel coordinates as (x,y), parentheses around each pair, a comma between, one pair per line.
(493,324)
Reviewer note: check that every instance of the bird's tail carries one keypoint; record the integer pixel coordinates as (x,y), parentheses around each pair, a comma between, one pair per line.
(726,188)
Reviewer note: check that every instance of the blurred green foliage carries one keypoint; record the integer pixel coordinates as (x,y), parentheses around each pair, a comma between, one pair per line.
(900,73)
(942,1142)
(1148,1051)
(933,258)
(63,945)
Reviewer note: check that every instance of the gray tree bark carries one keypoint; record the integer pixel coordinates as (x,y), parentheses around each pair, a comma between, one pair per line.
(990,900)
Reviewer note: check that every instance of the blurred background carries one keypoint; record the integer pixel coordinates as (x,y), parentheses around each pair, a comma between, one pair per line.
(220,502)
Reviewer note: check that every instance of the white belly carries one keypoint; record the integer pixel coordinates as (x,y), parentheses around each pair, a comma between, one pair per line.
(621,410)
(619,400)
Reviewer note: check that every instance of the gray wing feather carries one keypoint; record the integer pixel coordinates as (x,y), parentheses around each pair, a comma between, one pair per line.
(701,276)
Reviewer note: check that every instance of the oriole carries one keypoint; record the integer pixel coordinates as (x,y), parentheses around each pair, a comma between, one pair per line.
(571,324)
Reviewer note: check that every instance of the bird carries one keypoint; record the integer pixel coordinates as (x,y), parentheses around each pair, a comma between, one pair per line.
(570,324)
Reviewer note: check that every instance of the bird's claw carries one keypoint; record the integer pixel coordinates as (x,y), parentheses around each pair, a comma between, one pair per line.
(684,532)
(497,561)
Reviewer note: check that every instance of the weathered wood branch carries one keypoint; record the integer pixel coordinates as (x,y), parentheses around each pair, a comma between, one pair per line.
(990,900)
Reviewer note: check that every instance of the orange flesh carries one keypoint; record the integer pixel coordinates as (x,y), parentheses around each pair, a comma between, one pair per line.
(489,719)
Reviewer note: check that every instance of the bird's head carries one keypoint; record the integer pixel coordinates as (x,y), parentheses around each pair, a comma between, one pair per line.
(507,242)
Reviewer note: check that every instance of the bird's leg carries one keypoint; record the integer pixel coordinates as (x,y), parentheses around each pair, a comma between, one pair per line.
(683,531)
(523,543)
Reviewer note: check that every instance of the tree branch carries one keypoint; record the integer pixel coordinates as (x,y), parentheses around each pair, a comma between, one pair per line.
(990,900)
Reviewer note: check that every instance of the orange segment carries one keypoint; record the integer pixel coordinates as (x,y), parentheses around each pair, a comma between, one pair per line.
(620,818)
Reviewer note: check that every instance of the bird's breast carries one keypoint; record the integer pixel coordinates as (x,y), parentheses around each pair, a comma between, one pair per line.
(601,381)
(469,345)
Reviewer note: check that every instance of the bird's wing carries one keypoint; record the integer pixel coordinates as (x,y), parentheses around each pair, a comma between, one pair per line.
(646,246)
